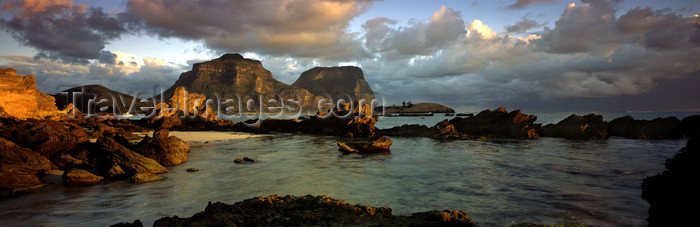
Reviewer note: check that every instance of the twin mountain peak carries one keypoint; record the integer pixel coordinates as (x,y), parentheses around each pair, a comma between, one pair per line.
(232,76)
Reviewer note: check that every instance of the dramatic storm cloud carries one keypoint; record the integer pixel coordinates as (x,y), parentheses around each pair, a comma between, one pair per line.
(61,30)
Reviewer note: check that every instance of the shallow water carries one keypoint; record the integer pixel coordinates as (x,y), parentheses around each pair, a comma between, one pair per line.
(497,182)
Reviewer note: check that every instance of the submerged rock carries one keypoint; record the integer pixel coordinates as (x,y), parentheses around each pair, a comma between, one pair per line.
(374,145)
(145,177)
(166,150)
(673,196)
(243,160)
(191,170)
(309,210)
(590,126)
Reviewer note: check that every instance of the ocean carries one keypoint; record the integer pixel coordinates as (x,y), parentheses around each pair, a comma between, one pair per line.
(497,182)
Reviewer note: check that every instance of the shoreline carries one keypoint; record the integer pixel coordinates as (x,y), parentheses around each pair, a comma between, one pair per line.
(203,136)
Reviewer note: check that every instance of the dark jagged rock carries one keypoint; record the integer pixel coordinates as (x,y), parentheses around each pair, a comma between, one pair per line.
(375,145)
(590,126)
(336,82)
(309,210)
(659,128)
(79,177)
(441,130)
(244,160)
(690,126)
(673,196)
(47,137)
(191,170)
(20,167)
(166,150)
(130,161)
(498,124)
(408,131)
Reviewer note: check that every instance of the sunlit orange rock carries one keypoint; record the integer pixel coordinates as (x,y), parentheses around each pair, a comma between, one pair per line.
(20,99)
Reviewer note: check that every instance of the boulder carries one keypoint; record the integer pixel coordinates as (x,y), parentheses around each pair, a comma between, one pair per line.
(79,177)
(243,160)
(166,150)
(47,137)
(145,177)
(130,161)
(498,123)
(20,167)
(309,210)
(590,126)
(659,128)
(690,126)
(374,145)
(673,195)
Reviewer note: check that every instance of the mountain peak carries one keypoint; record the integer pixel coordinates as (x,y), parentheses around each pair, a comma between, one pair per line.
(235,56)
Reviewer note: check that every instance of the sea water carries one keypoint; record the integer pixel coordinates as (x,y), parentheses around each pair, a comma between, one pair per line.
(497,182)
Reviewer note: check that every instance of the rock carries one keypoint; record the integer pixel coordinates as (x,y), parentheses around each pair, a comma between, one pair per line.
(408,131)
(690,126)
(116,172)
(192,170)
(166,150)
(498,124)
(231,75)
(20,99)
(673,195)
(130,161)
(20,167)
(659,128)
(590,126)
(145,177)
(137,223)
(164,122)
(53,177)
(79,177)
(336,82)
(374,145)
(243,160)
(47,137)
(310,210)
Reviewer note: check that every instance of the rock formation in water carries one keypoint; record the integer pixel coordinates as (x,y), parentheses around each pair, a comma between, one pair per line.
(590,126)
(103,98)
(674,195)
(166,150)
(659,128)
(424,107)
(498,123)
(336,82)
(231,76)
(307,210)
(379,144)
(20,99)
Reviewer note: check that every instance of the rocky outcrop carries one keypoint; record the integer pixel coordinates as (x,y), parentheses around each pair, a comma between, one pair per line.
(673,195)
(20,99)
(690,126)
(20,167)
(233,77)
(166,150)
(48,138)
(337,82)
(590,126)
(424,107)
(128,160)
(659,128)
(79,177)
(308,210)
(442,130)
(375,145)
(498,123)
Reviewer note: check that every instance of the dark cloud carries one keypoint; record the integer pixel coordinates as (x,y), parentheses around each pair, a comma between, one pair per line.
(522,26)
(519,4)
(61,30)
(302,28)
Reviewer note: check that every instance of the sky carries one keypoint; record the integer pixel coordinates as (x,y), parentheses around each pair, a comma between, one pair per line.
(534,55)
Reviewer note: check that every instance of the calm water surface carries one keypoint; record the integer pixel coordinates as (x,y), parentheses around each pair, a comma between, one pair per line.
(498,182)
